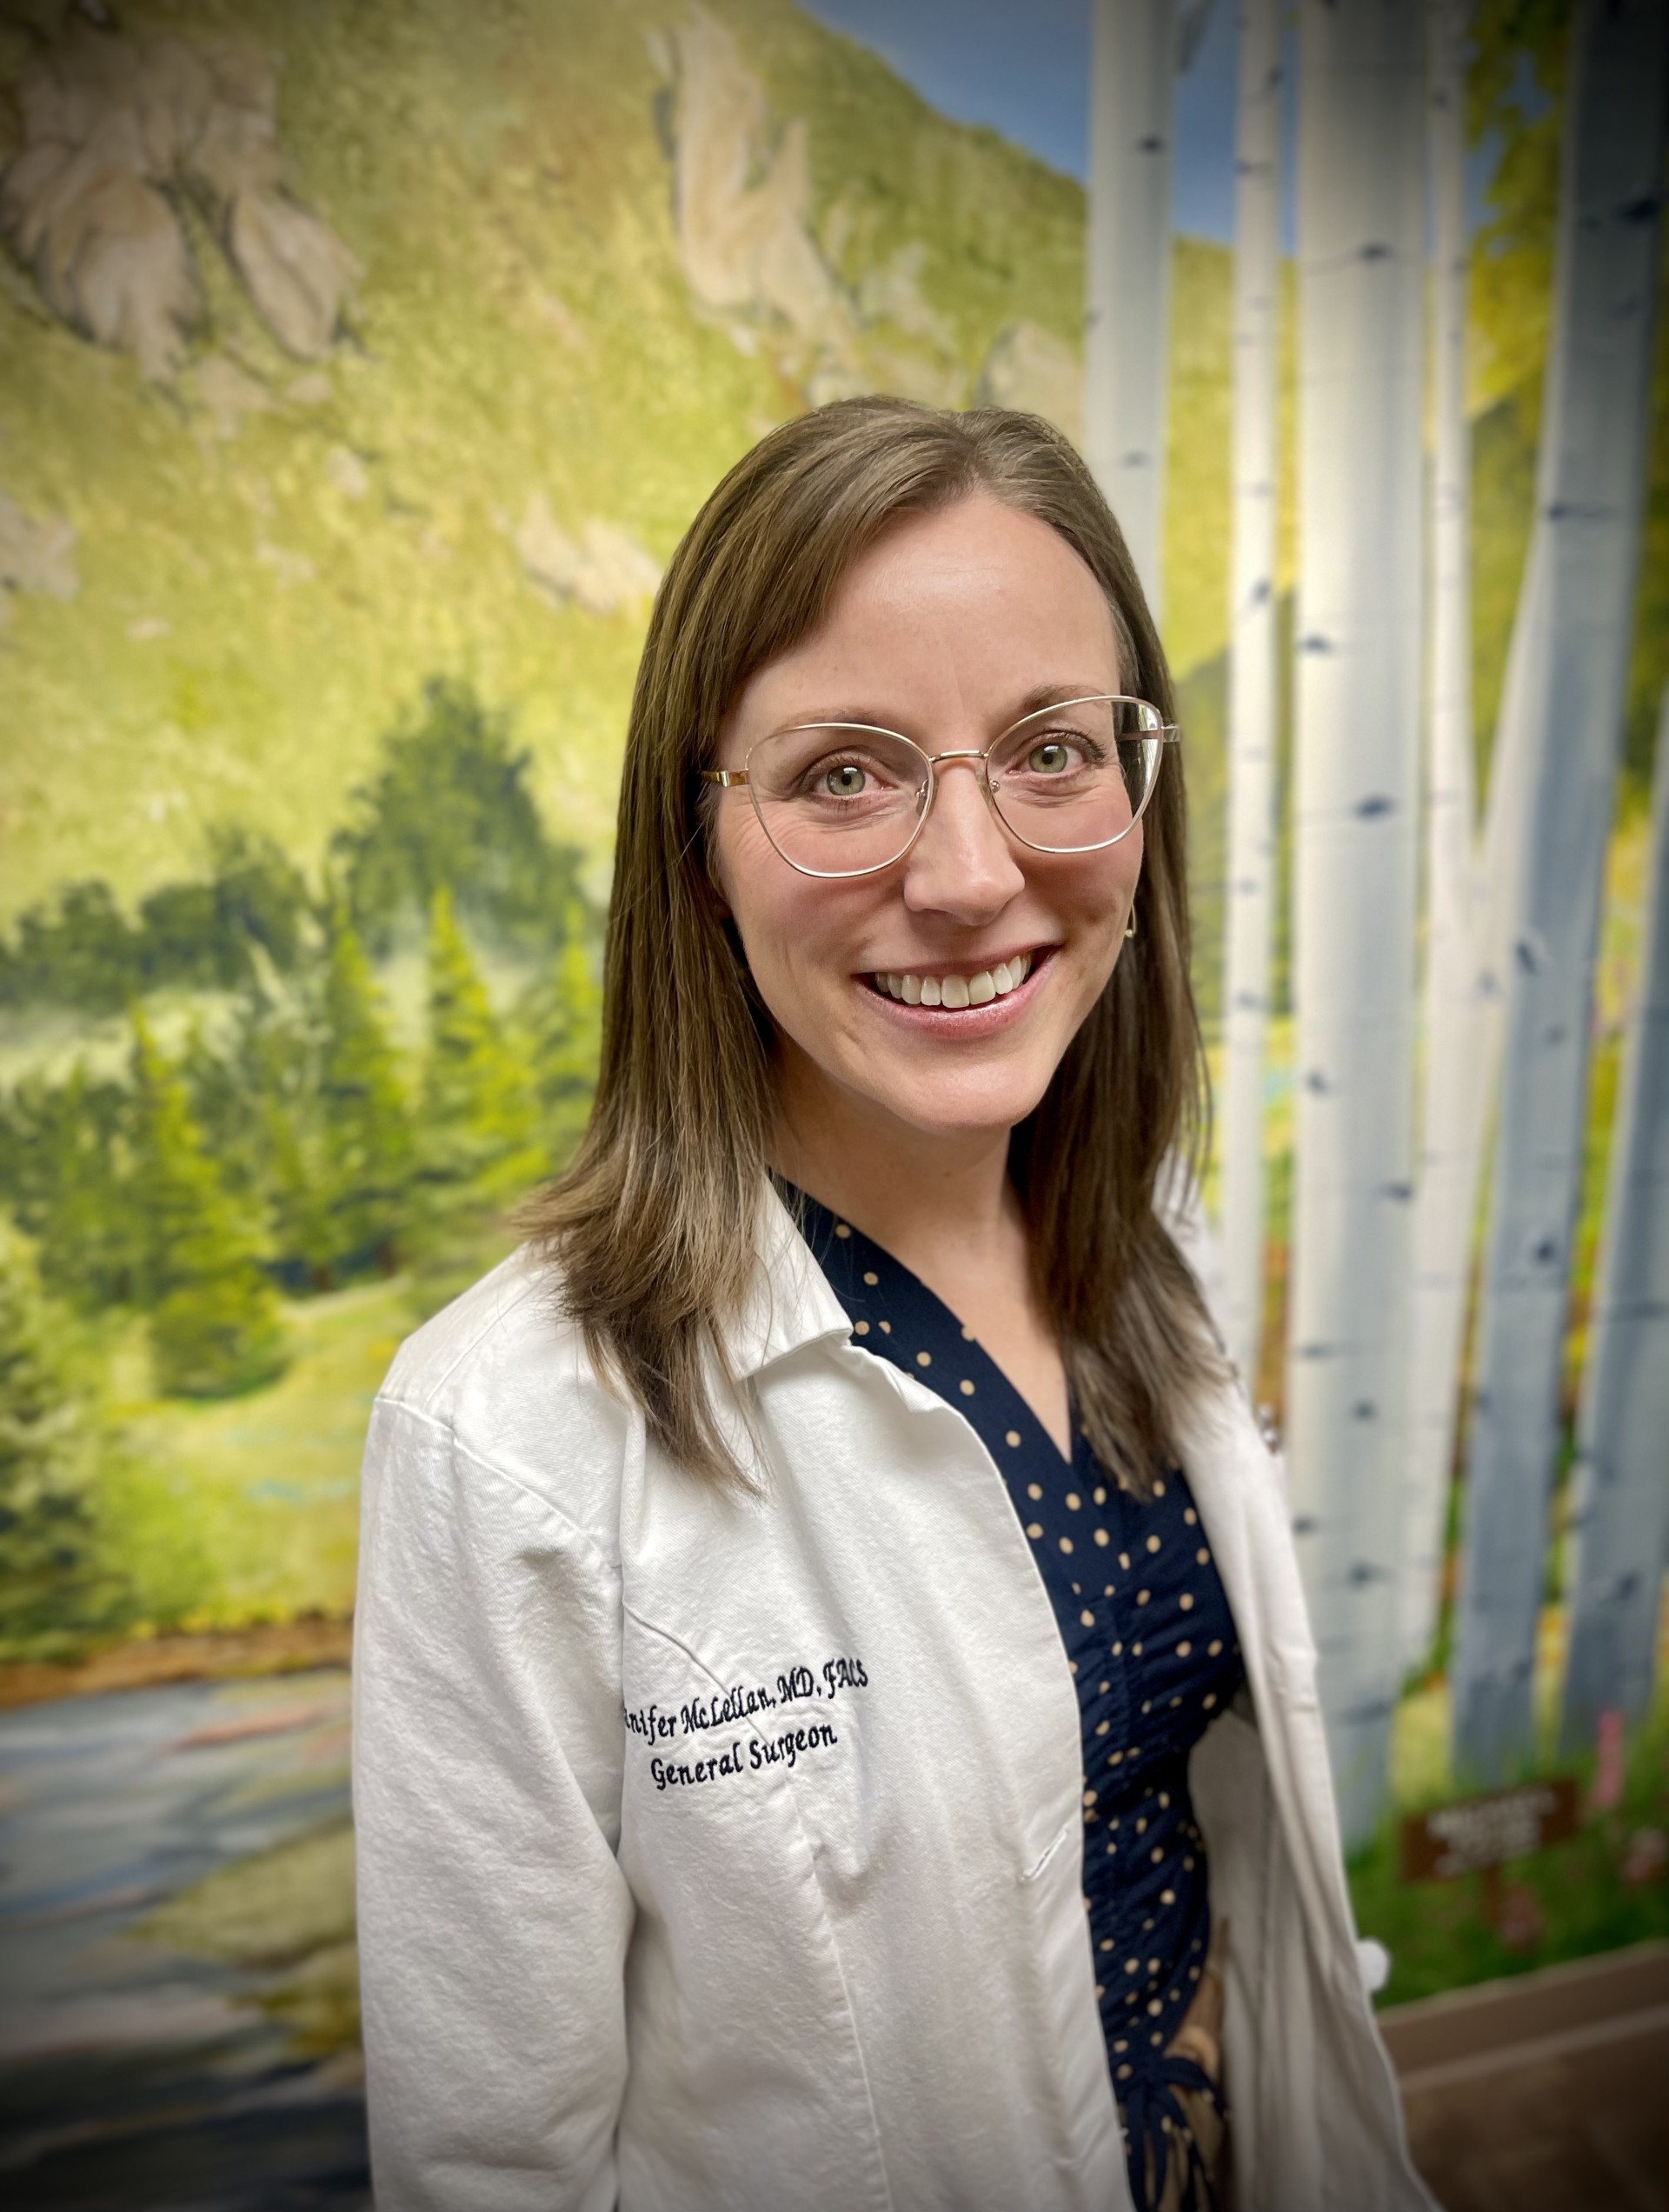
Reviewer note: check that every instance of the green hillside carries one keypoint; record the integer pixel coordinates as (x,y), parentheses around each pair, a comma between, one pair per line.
(269,553)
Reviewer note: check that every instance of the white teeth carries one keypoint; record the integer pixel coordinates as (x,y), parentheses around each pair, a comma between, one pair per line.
(958,991)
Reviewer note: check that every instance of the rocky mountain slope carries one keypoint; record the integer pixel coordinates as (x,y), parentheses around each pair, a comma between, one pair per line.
(341,347)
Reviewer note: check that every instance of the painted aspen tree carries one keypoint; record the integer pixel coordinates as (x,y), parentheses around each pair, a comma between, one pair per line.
(1443,1188)
(1132,70)
(1620,1525)
(1590,490)
(1251,673)
(1445,1235)
(1361,360)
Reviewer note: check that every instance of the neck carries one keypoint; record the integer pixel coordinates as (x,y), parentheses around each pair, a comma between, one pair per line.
(928,1198)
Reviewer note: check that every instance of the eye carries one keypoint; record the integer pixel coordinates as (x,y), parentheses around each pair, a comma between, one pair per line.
(1050,757)
(846,779)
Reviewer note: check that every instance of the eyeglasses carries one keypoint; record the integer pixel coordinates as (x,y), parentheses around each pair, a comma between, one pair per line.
(840,799)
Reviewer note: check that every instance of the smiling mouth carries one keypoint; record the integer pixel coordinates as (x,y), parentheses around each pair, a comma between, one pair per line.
(955,992)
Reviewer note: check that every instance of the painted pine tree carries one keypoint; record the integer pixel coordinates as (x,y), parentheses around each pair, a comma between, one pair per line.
(66,1168)
(564,1020)
(1251,674)
(1128,259)
(214,1326)
(51,1584)
(1444,1193)
(365,1122)
(1572,672)
(1620,1529)
(478,1148)
(1361,257)
(280,1055)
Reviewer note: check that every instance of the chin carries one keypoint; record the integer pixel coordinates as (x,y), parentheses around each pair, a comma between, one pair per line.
(960,1110)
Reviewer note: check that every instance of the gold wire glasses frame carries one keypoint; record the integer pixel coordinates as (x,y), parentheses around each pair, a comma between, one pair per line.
(846,798)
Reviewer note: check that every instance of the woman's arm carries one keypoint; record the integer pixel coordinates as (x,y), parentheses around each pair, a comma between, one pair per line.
(493,1916)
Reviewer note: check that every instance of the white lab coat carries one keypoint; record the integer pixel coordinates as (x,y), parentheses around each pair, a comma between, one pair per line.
(721,1855)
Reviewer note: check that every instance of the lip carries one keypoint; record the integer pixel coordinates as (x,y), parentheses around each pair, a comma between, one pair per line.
(970,1022)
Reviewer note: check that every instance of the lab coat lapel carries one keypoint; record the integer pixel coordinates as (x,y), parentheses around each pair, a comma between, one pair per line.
(1237,1484)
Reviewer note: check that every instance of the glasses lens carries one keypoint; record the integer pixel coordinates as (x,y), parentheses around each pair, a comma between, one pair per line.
(1072,778)
(837,799)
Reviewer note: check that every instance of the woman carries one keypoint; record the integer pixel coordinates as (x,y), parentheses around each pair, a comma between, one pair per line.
(836,1722)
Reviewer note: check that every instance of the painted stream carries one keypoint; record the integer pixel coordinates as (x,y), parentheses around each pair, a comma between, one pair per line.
(177,2020)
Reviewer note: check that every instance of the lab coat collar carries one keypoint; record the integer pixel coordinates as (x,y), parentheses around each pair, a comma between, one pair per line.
(789,1303)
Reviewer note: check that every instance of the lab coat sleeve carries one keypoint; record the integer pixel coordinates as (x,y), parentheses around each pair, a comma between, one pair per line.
(493,1916)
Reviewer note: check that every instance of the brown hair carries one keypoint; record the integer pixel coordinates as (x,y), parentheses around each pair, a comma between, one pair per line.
(650,1228)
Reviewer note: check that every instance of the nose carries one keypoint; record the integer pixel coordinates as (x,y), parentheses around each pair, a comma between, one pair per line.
(962,864)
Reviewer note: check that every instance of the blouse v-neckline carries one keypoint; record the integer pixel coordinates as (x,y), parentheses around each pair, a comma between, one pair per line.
(826,1233)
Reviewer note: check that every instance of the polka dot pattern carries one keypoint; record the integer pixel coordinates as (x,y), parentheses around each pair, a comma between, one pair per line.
(1144,1700)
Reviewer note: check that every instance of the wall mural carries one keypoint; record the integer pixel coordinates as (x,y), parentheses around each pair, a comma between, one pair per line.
(359,370)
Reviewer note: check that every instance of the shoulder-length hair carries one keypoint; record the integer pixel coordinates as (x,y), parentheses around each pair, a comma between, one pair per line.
(651,1228)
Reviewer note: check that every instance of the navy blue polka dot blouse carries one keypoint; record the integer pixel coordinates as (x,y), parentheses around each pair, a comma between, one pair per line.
(1152,1646)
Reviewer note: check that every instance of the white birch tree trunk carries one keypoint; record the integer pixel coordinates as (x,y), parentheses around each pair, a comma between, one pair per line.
(1361,268)
(1443,1191)
(1133,69)
(1472,1015)
(1252,676)
(1620,1526)
(1591,482)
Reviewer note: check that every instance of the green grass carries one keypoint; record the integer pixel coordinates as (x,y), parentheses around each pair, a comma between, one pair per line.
(1572,1900)
(246,1510)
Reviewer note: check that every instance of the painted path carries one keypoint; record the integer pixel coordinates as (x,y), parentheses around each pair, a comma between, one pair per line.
(139,2073)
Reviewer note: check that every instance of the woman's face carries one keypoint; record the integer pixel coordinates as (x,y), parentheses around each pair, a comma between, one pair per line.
(946,631)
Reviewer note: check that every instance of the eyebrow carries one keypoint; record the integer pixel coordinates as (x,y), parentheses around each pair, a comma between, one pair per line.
(1033,701)
(1055,694)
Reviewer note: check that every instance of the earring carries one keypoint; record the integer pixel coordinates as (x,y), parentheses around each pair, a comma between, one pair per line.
(1130,930)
